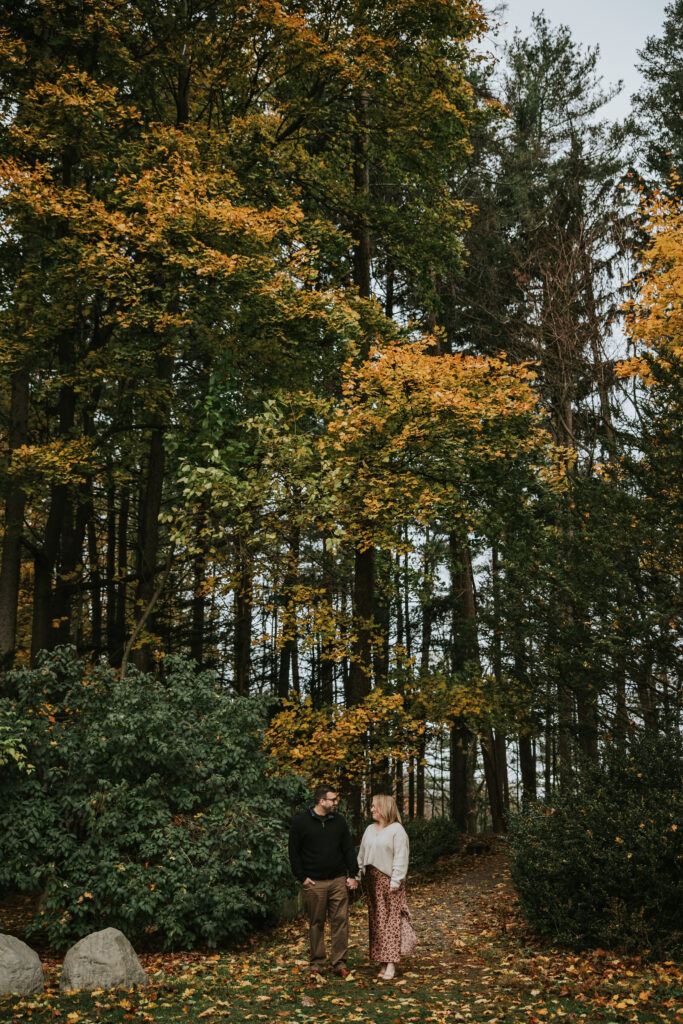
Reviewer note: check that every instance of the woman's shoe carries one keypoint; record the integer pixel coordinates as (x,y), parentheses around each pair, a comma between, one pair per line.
(389,972)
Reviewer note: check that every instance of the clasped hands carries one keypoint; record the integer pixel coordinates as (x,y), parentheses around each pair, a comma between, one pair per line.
(351,883)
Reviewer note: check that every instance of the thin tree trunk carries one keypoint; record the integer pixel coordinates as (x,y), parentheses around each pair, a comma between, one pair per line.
(493,775)
(289,651)
(197,607)
(243,619)
(463,650)
(68,579)
(425,654)
(363,598)
(527,766)
(647,693)
(45,559)
(382,621)
(198,603)
(119,608)
(10,570)
(620,724)
(95,584)
(564,726)
(327,663)
(43,569)
(360,675)
(460,737)
(421,754)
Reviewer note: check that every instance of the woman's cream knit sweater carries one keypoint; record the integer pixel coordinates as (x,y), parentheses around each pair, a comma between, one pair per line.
(387,849)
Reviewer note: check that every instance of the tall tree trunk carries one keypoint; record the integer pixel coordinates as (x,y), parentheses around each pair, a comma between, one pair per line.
(243,618)
(15,500)
(425,654)
(148,538)
(382,619)
(197,606)
(289,651)
(587,720)
(43,569)
(327,663)
(620,724)
(95,581)
(501,764)
(198,602)
(363,598)
(68,580)
(45,559)
(148,517)
(527,767)
(459,737)
(493,775)
(411,788)
(463,649)
(116,627)
(647,692)
(564,730)
(527,759)
(364,558)
(400,642)
(360,675)
(421,755)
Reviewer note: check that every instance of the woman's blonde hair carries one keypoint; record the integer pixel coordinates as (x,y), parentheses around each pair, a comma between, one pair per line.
(387,807)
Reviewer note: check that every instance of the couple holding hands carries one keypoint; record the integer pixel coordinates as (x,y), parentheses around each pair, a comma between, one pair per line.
(323,858)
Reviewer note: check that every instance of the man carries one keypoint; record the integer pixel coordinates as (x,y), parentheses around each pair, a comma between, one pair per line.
(323,858)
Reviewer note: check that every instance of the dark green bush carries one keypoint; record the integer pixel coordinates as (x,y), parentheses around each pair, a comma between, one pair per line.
(430,838)
(603,865)
(150,808)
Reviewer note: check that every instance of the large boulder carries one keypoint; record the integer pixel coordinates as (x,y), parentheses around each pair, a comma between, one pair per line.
(21,971)
(103,959)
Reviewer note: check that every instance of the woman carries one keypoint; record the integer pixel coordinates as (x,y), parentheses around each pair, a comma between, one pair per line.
(383,858)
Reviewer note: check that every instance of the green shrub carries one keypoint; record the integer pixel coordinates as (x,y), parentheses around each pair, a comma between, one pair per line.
(430,838)
(12,732)
(603,865)
(150,808)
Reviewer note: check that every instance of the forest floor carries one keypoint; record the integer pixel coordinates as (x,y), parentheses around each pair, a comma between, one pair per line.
(475,963)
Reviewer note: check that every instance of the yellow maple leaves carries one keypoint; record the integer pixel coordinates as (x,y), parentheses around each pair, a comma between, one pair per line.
(655,316)
(337,743)
(410,425)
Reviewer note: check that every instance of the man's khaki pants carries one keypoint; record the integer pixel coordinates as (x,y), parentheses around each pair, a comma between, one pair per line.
(328,898)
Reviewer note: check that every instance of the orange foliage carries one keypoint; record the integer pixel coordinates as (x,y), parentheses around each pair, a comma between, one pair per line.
(655,317)
(334,744)
(410,428)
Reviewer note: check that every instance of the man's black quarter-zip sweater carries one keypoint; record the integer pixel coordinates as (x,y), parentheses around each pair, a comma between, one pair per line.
(321,848)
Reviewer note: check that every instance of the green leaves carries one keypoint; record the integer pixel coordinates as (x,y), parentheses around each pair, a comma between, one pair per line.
(148,794)
(13,731)
(601,865)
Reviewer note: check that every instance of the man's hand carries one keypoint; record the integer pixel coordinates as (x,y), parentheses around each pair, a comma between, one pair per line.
(351,883)
(307,882)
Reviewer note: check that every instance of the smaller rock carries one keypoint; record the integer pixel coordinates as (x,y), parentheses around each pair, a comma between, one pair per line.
(103,959)
(21,971)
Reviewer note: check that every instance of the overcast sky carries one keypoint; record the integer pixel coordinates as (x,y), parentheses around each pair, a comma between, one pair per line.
(619,27)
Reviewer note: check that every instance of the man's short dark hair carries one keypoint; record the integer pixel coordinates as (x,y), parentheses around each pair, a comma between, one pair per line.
(320,792)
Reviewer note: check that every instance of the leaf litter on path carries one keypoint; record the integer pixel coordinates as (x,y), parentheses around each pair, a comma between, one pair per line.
(475,963)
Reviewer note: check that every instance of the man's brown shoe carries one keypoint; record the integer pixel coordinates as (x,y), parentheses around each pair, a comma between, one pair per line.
(342,971)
